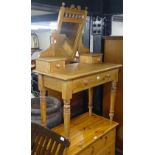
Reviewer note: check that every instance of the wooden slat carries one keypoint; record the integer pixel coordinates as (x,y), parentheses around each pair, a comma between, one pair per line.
(50,146)
(45,141)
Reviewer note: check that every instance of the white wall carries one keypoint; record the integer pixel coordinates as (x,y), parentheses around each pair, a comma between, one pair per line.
(44,39)
(117,28)
(44,36)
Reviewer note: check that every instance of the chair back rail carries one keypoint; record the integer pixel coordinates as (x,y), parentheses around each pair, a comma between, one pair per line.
(46,142)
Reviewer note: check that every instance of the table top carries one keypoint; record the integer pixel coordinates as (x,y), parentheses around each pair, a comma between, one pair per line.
(77,70)
(50,59)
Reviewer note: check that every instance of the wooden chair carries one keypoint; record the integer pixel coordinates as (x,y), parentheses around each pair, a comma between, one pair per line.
(46,142)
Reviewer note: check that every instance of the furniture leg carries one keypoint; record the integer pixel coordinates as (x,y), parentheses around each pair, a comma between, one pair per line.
(112,99)
(42,100)
(67,114)
(43,107)
(90,99)
(66,96)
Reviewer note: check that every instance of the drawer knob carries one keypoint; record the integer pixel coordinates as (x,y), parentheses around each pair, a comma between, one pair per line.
(85,82)
(58,65)
(98,77)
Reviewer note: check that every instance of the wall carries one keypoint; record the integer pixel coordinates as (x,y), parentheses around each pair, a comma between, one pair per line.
(117,28)
(44,38)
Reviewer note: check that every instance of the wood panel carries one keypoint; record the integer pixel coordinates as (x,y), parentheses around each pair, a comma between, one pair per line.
(113,53)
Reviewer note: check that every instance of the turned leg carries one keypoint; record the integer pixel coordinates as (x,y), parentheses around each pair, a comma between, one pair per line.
(67,113)
(42,99)
(112,99)
(43,107)
(90,100)
(67,95)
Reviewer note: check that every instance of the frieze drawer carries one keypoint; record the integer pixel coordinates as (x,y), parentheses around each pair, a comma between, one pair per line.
(93,80)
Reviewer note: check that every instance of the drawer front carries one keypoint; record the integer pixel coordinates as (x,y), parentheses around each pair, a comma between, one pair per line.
(97,59)
(48,67)
(91,59)
(110,150)
(85,59)
(57,65)
(103,146)
(93,80)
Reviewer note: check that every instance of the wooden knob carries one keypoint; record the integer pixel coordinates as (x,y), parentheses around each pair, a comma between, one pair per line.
(98,77)
(85,82)
(58,65)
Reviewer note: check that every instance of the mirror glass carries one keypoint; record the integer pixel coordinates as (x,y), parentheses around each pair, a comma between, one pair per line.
(70,30)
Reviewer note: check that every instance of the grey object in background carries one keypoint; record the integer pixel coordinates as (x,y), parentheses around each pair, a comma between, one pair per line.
(53,111)
(34,41)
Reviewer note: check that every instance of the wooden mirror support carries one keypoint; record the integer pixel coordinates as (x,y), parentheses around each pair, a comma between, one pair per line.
(67,39)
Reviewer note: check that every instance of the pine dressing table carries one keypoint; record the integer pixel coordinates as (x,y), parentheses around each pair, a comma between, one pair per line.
(74,78)
(88,133)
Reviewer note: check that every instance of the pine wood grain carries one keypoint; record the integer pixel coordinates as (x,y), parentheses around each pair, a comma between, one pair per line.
(73,71)
(89,131)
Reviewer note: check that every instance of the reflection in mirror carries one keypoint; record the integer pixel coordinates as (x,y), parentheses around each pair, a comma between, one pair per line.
(70,30)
